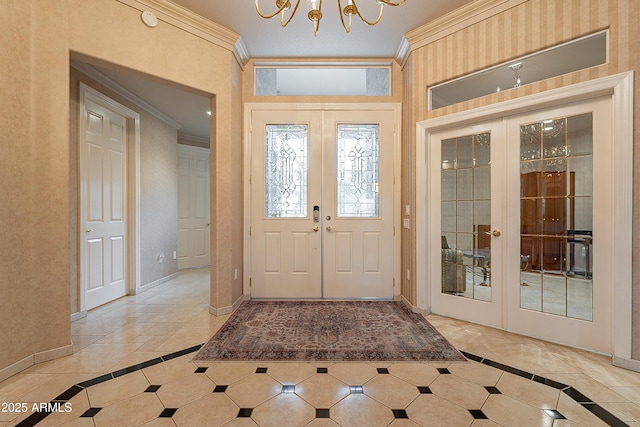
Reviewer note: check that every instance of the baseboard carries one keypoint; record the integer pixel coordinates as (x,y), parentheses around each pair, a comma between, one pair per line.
(153,284)
(79,315)
(55,353)
(17,367)
(229,309)
(631,364)
(33,359)
(414,308)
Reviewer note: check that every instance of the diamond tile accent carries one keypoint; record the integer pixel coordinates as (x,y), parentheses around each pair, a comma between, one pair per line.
(168,412)
(356,389)
(91,412)
(220,388)
(200,370)
(444,370)
(492,390)
(424,390)
(322,370)
(400,413)
(288,389)
(323,413)
(383,370)
(152,388)
(245,412)
(477,414)
(261,370)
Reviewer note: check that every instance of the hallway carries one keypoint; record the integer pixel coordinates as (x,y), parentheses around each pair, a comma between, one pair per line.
(162,326)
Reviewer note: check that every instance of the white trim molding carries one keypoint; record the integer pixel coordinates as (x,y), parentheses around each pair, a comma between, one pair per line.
(107,81)
(150,285)
(29,361)
(620,88)
(229,309)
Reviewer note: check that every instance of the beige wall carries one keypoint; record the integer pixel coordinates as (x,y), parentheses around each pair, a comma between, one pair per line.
(37,37)
(529,27)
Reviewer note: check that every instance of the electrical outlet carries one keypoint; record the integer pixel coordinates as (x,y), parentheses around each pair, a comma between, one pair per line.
(175,254)
(235,274)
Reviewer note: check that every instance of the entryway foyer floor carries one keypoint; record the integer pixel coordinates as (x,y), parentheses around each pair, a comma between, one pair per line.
(163,325)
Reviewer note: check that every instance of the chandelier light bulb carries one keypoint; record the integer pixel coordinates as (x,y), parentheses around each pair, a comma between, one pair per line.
(315,12)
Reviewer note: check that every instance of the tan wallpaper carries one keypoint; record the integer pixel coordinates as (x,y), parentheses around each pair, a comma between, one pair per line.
(532,26)
(37,38)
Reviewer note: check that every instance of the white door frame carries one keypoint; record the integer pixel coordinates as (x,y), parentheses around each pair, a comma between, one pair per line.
(250,107)
(133,186)
(620,88)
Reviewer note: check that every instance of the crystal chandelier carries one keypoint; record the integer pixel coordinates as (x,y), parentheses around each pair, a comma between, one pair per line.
(315,12)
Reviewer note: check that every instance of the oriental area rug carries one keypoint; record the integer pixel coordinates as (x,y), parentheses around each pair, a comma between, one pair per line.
(327,331)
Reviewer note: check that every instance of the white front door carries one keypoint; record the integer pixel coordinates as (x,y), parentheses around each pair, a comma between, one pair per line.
(521,224)
(193,207)
(103,200)
(322,195)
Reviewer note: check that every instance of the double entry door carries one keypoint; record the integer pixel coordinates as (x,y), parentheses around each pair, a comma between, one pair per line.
(322,196)
(522,208)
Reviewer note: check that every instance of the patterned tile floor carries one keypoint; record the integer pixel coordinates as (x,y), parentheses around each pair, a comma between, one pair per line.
(132,366)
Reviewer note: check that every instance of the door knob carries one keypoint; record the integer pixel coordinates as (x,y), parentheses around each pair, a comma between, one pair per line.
(207,225)
(88,230)
(316,228)
(494,233)
(329,228)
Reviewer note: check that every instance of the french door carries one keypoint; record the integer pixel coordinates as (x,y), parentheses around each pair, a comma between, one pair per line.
(523,208)
(322,196)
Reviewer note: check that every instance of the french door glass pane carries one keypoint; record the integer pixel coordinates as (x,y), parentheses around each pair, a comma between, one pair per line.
(358,170)
(556,221)
(286,170)
(466,216)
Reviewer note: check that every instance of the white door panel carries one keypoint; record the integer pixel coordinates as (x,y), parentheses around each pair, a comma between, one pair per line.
(193,207)
(103,157)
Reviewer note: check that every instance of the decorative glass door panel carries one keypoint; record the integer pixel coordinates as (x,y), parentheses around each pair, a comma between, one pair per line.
(466,190)
(322,204)
(286,171)
(358,170)
(466,216)
(556,220)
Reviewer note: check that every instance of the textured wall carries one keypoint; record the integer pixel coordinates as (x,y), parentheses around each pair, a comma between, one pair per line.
(527,28)
(37,38)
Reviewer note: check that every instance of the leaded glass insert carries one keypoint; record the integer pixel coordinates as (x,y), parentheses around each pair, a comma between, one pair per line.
(286,171)
(358,170)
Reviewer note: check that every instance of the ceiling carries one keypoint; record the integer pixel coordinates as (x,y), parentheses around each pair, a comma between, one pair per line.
(267,39)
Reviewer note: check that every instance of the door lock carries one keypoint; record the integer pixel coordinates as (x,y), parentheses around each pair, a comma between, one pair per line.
(329,228)
(316,228)
(495,233)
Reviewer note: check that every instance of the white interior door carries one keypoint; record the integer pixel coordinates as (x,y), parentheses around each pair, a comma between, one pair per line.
(103,201)
(521,224)
(193,207)
(559,195)
(466,200)
(322,196)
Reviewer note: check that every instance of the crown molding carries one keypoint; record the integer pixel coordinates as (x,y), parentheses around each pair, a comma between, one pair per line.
(403,52)
(241,52)
(460,18)
(195,24)
(103,79)
(193,140)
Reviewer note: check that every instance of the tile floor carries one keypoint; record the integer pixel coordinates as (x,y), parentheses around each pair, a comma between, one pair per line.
(132,366)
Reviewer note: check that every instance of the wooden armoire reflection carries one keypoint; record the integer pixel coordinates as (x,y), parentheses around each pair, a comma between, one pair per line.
(546,213)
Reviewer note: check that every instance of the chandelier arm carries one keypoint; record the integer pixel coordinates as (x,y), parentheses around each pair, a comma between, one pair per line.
(364,19)
(282,21)
(391,3)
(346,28)
(267,16)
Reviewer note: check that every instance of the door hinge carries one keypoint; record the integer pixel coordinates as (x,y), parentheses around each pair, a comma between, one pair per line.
(249,281)
(394,230)
(394,282)
(250,179)
(249,230)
